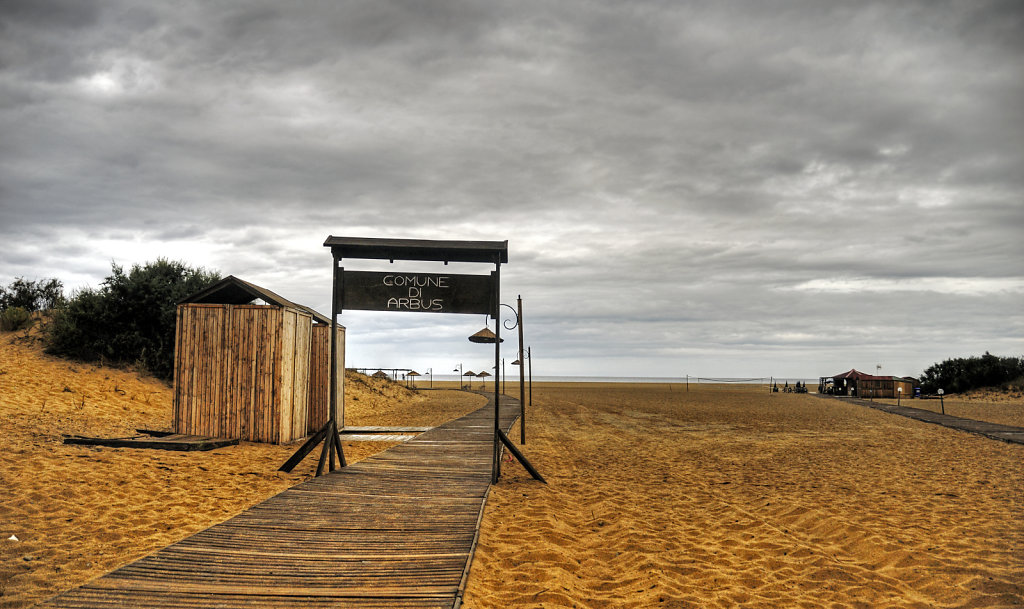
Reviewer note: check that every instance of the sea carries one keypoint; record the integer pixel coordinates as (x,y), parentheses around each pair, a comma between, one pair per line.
(636,379)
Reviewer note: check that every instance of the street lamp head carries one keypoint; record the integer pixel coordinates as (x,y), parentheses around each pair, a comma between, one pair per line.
(485,336)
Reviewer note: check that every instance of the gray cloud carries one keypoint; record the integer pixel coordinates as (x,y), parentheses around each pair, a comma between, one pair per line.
(720,188)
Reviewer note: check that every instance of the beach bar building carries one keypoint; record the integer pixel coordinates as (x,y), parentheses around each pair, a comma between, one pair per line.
(252,365)
(859,384)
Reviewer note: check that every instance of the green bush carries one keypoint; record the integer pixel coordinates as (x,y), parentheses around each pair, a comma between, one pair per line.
(965,373)
(14,318)
(130,319)
(32,295)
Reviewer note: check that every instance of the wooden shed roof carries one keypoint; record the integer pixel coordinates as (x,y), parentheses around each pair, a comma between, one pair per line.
(418,249)
(863,376)
(232,290)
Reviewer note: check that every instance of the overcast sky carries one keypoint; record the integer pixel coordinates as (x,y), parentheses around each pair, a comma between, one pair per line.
(704,188)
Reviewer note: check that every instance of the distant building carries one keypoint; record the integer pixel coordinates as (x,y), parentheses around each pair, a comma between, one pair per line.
(860,384)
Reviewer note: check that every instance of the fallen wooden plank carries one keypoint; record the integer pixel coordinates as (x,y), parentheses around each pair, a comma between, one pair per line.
(167,442)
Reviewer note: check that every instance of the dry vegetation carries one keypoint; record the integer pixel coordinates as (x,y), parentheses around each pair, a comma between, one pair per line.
(79,512)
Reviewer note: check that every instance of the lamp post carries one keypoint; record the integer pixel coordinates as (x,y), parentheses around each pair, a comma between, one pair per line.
(899,394)
(529,359)
(486,336)
(518,323)
(430,372)
(459,370)
(529,356)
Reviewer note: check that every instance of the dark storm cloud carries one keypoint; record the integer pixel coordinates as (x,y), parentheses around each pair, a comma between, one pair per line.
(758,182)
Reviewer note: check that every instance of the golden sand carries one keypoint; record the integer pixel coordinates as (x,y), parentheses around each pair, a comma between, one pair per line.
(733,496)
(657,497)
(79,512)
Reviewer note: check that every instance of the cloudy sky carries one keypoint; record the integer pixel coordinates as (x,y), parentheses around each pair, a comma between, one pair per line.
(705,188)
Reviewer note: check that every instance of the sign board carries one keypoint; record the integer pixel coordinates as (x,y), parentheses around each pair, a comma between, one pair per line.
(419,292)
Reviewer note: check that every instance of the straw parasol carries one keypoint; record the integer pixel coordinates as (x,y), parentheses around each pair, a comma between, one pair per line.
(413,374)
(483,374)
(484,336)
(470,374)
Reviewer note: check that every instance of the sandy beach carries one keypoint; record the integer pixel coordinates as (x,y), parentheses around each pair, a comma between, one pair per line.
(79,512)
(732,496)
(720,496)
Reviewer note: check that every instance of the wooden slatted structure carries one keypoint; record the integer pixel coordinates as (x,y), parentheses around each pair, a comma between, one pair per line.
(320,378)
(396,530)
(256,372)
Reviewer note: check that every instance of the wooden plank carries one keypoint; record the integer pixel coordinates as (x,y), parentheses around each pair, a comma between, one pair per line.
(180,442)
(248,347)
(217,363)
(286,376)
(229,365)
(318,379)
(300,359)
(377,437)
(364,429)
(340,346)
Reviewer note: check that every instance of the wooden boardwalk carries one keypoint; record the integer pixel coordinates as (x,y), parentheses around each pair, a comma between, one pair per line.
(1006,433)
(395,530)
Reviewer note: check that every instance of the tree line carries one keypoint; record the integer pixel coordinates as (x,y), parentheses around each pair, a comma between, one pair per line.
(129,319)
(962,374)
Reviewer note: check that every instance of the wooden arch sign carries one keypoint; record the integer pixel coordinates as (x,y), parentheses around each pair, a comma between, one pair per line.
(411,292)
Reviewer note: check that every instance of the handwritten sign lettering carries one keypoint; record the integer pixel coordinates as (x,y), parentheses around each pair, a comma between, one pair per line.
(421,292)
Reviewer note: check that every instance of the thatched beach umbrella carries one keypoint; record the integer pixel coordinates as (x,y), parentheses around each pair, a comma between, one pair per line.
(470,374)
(380,374)
(413,374)
(484,336)
(483,375)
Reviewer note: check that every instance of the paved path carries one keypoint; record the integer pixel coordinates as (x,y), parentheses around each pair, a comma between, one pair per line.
(395,530)
(1006,433)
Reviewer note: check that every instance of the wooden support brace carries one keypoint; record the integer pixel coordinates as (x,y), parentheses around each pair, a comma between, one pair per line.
(522,459)
(323,457)
(304,450)
(341,451)
(328,434)
(329,442)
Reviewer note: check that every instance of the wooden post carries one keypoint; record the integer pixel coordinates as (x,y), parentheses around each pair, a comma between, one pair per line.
(333,405)
(529,356)
(328,434)
(496,457)
(522,379)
